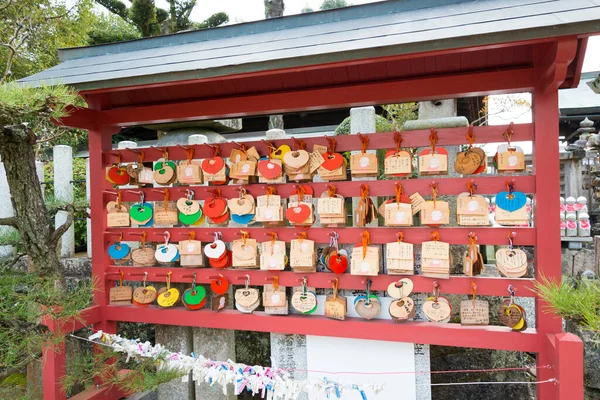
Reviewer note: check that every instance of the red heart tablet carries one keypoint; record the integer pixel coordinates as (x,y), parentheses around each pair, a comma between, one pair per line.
(197,307)
(118,175)
(332,161)
(213,208)
(337,263)
(298,214)
(220,219)
(269,169)
(219,285)
(212,165)
(222,262)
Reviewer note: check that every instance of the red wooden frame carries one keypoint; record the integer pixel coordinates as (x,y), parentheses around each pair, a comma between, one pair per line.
(563,352)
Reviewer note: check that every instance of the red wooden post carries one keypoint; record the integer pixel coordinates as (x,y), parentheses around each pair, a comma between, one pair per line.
(547,221)
(566,350)
(100,141)
(54,365)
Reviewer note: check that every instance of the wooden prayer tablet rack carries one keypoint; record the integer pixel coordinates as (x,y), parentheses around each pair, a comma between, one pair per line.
(563,352)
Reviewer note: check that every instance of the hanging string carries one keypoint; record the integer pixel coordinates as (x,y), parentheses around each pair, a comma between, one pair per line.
(397,140)
(364,142)
(470,136)
(366,241)
(434,191)
(442,372)
(433,139)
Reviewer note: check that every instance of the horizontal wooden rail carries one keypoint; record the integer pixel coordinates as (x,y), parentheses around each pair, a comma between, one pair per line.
(486,286)
(446,186)
(419,138)
(379,235)
(485,337)
(86,317)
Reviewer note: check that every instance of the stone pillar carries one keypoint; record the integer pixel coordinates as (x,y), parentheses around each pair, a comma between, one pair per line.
(573,173)
(362,120)
(433,114)
(212,343)
(288,351)
(179,339)
(216,344)
(6,211)
(39,170)
(63,191)
(88,223)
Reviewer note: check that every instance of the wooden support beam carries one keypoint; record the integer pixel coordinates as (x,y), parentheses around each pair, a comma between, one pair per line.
(449,86)
(555,63)
(442,334)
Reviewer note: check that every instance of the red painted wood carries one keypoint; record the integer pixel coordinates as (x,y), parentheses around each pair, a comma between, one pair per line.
(86,317)
(419,138)
(360,94)
(548,254)
(567,362)
(54,366)
(486,286)
(379,235)
(106,392)
(411,332)
(102,393)
(447,186)
(544,184)
(98,141)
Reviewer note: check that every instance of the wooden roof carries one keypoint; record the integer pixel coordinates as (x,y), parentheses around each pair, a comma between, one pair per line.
(295,46)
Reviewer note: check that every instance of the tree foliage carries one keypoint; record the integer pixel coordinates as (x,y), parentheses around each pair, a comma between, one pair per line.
(32,31)
(575,300)
(331,4)
(274,8)
(151,20)
(24,300)
(109,28)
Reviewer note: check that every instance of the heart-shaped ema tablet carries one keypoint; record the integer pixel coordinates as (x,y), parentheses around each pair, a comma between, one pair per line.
(141,212)
(269,168)
(118,251)
(214,207)
(337,263)
(332,161)
(296,159)
(298,214)
(166,253)
(511,201)
(118,175)
(212,165)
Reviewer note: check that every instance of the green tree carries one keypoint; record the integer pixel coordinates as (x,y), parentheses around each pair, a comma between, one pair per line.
(151,20)
(331,4)
(110,28)
(32,31)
